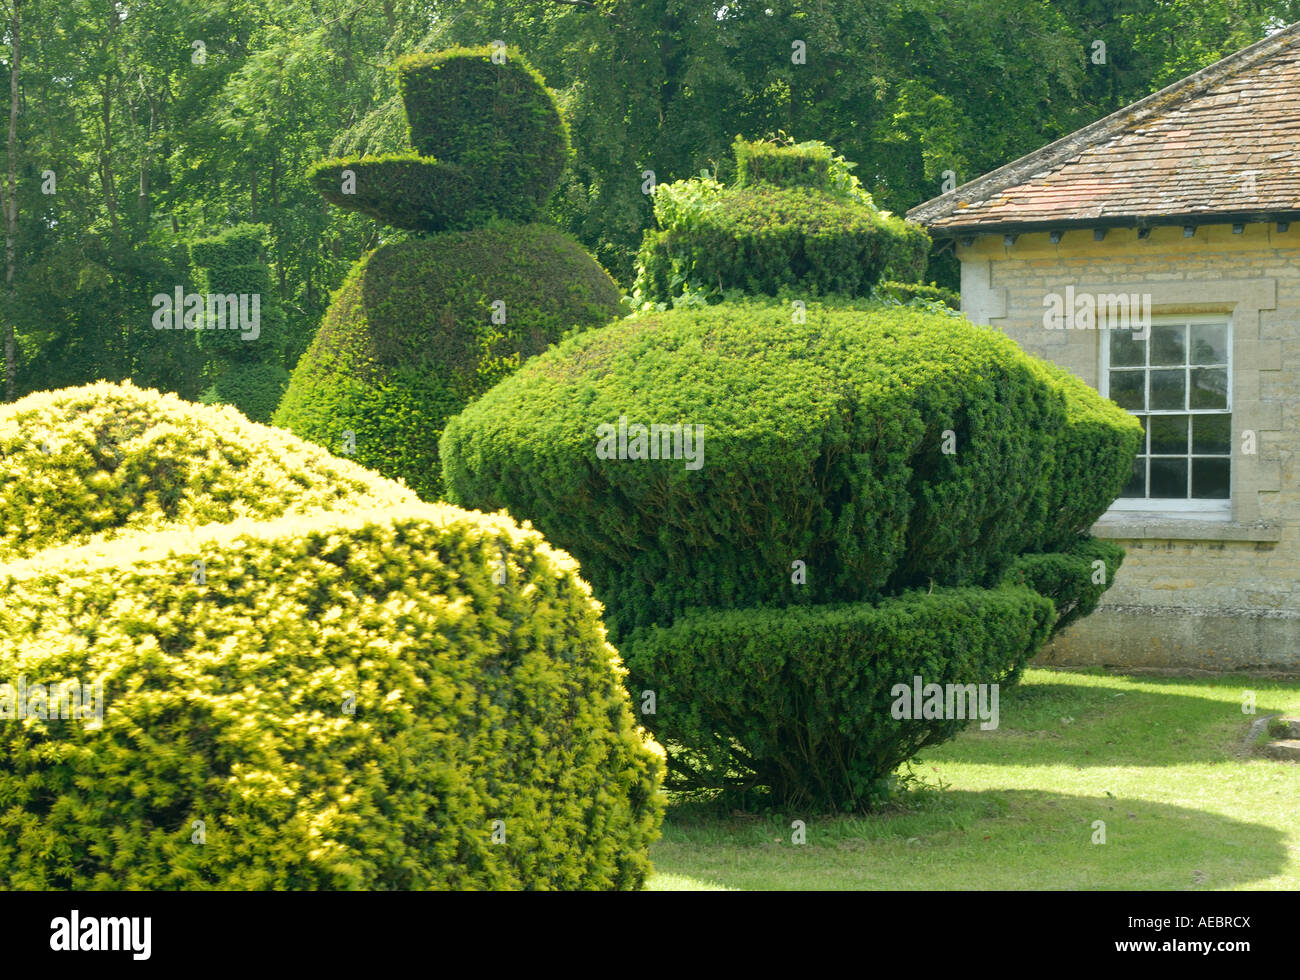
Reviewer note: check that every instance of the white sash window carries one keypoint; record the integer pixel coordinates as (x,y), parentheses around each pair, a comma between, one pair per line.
(1177,380)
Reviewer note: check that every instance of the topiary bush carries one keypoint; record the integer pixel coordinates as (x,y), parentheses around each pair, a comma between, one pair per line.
(796,219)
(849,454)
(489,141)
(1074,579)
(245,363)
(409,339)
(798,699)
(406,697)
(255,389)
(105,459)
(420,328)
(823,442)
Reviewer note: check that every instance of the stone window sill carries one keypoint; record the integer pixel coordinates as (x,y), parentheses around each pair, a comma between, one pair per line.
(1135,525)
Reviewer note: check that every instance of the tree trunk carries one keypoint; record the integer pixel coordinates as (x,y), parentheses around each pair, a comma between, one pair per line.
(11,211)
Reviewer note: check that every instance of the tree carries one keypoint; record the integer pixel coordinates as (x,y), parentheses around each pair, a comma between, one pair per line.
(11,201)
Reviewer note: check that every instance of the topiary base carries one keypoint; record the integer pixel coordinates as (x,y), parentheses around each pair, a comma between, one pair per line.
(418,329)
(801,699)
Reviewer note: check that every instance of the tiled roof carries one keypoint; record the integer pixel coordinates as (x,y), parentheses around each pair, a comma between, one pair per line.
(1224,142)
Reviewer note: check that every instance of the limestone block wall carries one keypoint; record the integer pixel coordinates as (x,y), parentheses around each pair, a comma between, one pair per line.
(1219,592)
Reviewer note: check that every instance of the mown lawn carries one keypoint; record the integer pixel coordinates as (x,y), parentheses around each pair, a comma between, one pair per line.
(1160,761)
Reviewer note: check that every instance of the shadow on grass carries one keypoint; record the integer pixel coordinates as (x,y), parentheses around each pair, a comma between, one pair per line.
(966,840)
(1110,720)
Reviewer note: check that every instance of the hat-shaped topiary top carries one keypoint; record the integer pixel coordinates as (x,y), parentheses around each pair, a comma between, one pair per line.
(794,218)
(489,142)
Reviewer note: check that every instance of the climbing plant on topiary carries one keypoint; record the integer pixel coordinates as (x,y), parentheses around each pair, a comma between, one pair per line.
(760,563)
(418,329)
(795,219)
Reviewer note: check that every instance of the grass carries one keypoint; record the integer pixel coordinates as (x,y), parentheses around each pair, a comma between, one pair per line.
(1160,761)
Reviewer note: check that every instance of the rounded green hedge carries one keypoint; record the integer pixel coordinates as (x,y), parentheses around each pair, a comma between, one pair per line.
(799,700)
(409,339)
(824,443)
(105,458)
(868,491)
(407,697)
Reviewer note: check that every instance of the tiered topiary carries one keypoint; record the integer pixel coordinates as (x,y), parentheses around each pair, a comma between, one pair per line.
(246,365)
(418,329)
(342,687)
(796,219)
(880,493)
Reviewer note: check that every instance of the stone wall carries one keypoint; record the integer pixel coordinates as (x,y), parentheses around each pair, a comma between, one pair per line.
(1194,592)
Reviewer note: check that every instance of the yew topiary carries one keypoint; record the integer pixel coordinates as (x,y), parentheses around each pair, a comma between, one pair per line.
(760,493)
(795,219)
(410,339)
(489,142)
(230,660)
(106,459)
(419,329)
(407,698)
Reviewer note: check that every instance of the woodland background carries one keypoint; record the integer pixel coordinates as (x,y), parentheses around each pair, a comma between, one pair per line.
(167,121)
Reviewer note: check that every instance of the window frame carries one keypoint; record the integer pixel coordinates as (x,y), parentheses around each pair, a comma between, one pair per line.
(1199,507)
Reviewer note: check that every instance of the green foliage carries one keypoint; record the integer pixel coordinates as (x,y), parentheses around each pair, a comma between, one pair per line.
(784,225)
(906,292)
(1086,474)
(823,443)
(1070,578)
(353,700)
(803,165)
(498,122)
(489,139)
(934,85)
(402,190)
(105,459)
(238,245)
(799,699)
(410,339)
(254,389)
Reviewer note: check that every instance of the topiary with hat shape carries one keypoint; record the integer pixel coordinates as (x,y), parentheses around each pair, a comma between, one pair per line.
(421,327)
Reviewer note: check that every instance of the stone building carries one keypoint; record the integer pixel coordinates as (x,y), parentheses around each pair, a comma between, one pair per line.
(1156,254)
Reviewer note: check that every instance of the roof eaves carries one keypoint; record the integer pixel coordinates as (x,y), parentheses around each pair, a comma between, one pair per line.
(1189,220)
(1044,160)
